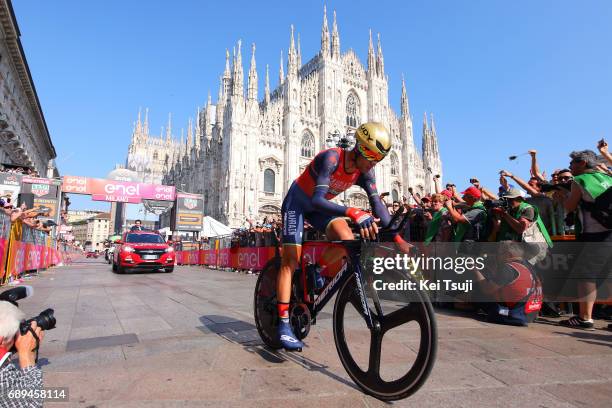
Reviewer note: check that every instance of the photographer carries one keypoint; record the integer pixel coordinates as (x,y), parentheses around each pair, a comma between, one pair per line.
(510,223)
(28,376)
(509,291)
(539,199)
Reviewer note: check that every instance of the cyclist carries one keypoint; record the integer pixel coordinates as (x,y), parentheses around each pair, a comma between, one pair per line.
(331,172)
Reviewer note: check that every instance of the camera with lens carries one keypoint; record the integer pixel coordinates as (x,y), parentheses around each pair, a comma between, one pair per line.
(501,203)
(45,320)
(545,188)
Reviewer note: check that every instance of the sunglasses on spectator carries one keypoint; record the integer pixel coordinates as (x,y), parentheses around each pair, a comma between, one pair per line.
(396,205)
(450,185)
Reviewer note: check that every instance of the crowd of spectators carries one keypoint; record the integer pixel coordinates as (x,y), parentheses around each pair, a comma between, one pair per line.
(26,171)
(258,234)
(574,202)
(28,216)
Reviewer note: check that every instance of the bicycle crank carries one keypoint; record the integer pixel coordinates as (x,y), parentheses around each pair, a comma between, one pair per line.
(300,320)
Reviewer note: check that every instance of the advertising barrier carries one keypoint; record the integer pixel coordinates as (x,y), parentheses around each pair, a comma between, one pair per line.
(23,249)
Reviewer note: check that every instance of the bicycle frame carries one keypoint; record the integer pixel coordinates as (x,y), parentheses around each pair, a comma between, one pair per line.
(353,267)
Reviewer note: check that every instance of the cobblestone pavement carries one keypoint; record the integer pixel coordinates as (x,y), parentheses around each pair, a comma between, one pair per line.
(187,339)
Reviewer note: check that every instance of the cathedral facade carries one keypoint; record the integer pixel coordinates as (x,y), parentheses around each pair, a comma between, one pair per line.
(245,153)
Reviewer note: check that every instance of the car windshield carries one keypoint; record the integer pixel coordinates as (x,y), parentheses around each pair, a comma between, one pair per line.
(144,238)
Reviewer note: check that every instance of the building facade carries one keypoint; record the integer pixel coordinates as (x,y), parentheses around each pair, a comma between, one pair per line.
(152,156)
(246,152)
(24,137)
(94,230)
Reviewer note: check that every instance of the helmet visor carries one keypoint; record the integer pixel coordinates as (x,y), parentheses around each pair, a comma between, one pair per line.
(369,154)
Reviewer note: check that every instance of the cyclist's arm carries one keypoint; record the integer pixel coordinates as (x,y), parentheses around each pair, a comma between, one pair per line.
(326,164)
(368,183)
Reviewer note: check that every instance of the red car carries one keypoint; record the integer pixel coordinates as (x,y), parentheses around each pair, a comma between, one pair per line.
(143,250)
(91,254)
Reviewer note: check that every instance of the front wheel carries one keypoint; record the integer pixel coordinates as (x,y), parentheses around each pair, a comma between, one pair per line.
(387,370)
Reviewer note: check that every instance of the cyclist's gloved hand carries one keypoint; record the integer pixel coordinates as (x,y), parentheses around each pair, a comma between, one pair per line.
(365,221)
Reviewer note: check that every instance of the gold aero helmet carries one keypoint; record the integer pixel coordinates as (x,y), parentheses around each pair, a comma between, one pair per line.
(373,141)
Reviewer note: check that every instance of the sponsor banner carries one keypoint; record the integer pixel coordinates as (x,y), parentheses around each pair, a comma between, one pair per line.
(46,195)
(118,191)
(251,258)
(17,264)
(3,244)
(32,257)
(10,185)
(188,211)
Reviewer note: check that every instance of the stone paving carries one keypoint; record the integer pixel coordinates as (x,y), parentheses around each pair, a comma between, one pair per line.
(187,339)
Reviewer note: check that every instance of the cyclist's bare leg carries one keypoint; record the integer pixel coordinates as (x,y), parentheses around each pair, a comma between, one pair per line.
(338,229)
(289,263)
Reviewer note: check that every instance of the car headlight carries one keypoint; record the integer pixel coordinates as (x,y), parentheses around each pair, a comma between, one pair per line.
(128,249)
(169,249)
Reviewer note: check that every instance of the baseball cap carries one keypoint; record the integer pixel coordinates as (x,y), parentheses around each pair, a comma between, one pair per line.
(472,191)
(513,193)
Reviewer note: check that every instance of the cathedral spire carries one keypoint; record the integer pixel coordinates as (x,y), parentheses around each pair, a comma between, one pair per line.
(335,46)
(238,75)
(371,56)
(267,86)
(145,129)
(209,99)
(425,125)
(139,122)
(324,34)
(405,108)
(252,93)
(226,73)
(291,56)
(433,125)
(169,129)
(281,73)
(189,135)
(380,62)
(226,79)
(299,53)
(198,130)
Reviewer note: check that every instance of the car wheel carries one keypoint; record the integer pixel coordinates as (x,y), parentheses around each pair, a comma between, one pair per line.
(120,269)
(114,267)
(169,270)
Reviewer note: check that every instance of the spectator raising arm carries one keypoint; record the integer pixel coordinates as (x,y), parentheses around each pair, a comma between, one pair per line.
(436,180)
(535,170)
(602,146)
(532,191)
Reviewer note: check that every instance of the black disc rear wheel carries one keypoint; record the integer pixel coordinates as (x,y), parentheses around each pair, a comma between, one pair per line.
(351,334)
(264,307)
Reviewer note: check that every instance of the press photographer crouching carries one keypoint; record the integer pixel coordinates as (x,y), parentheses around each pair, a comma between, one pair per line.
(23,338)
(509,292)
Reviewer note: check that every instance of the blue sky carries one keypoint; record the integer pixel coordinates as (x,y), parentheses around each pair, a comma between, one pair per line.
(500,77)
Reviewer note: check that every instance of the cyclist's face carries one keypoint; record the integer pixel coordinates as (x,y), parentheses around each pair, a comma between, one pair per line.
(363,164)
